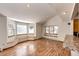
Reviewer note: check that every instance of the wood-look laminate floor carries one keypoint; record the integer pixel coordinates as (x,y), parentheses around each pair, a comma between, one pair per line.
(41,47)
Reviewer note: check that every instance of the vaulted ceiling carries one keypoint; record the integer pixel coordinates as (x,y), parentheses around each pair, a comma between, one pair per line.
(35,12)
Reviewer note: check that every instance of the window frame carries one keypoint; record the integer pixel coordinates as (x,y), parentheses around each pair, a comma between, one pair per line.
(51,34)
(48,30)
(29,28)
(11,28)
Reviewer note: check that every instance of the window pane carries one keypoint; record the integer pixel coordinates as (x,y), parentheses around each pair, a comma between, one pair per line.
(47,29)
(31,29)
(10,32)
(11,28)
(21,29)
(51,29)
(55,29)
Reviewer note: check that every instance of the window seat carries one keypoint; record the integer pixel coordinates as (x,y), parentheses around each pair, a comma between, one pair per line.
(56,37)
(12,40)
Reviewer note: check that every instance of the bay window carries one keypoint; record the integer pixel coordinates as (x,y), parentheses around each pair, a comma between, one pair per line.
(21,29)
(11,28)
(31,29)
(47,30)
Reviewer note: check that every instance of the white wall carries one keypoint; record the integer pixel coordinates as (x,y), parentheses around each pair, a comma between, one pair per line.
(3,30)
(64,28)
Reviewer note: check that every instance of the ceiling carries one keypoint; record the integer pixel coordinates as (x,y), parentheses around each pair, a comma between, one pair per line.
(37,12)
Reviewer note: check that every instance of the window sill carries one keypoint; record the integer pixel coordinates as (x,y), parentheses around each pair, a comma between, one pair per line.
(11,36)
(52,35)
(20,34)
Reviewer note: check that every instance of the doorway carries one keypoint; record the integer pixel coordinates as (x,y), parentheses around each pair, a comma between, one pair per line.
(76,27)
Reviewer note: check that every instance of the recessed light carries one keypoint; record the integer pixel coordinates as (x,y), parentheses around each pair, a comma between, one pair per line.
(64,13)
(28,5)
